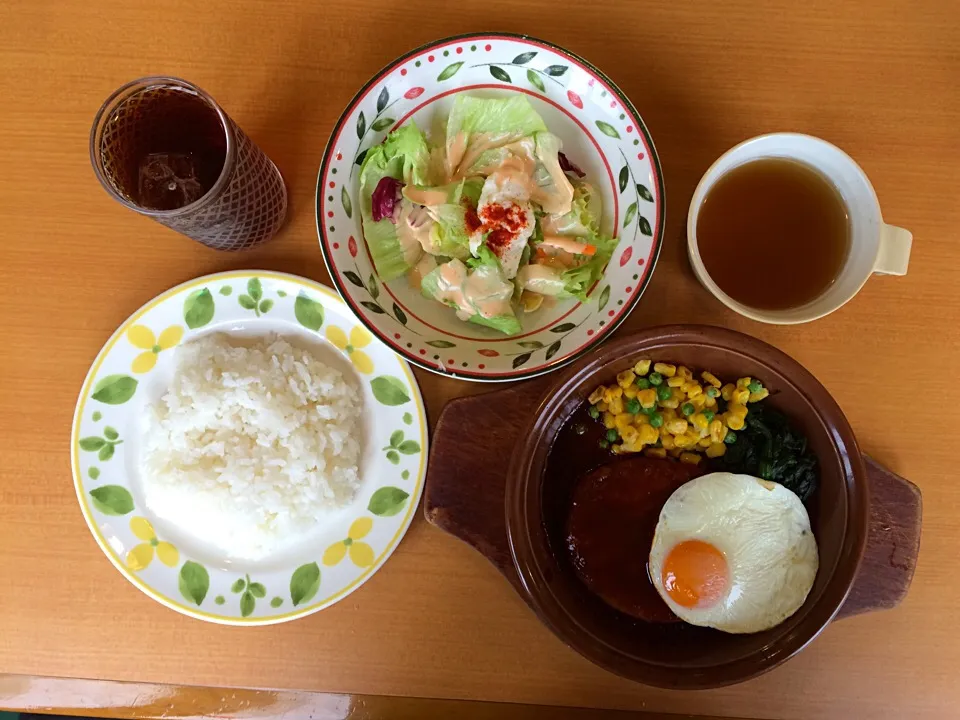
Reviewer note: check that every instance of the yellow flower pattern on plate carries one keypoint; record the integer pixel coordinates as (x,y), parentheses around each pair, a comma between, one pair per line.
(142,555)
(360,553)
(359,338)
(142,337)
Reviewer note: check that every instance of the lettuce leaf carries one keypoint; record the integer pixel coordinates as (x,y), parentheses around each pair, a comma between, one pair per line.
(578,281)
(500,120)
(554,191)
(488,286)
(403,156)
(584,216)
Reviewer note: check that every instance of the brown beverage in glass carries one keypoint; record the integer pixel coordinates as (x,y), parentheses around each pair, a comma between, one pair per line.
(163,147)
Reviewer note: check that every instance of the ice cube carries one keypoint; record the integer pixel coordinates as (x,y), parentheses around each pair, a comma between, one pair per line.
(169,181)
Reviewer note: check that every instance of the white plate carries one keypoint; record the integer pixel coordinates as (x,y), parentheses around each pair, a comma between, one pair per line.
(168,563)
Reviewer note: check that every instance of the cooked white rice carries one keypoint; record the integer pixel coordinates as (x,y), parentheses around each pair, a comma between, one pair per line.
(251,445)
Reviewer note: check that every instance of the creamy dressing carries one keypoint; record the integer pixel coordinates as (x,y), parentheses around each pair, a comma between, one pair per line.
(426,265)
(424,196)
(481,292)
(413,232)
(559,202)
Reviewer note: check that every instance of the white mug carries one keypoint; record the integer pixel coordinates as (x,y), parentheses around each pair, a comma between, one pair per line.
(875,247)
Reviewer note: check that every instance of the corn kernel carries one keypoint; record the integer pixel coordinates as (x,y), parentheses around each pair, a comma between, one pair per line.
(616,449)
(741,397)
(716,426)
(678,394)
(734,422)
(699,421)
(631,392)
(736,409)
(609,420)
(711,378)
(671,403)
(759,395)
(667,441)
(616,406)
(649,434)
(743,382)
(710,402)
(626,378)
(675,381)
(677,427)
(602,406)
(669,413)
(622,420)
(642,367)
(684,372)
(675,453)
(629,435)
(699,402)
(717,449)
(596,396)
(655,452)
(726,392)
(665,369)
(641,419)
(647,398)
(704,442)
(689,458)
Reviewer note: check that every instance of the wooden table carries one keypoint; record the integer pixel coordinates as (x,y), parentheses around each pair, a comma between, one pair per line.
(877,77)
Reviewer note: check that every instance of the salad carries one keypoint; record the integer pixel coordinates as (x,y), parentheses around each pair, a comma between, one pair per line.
(491,220)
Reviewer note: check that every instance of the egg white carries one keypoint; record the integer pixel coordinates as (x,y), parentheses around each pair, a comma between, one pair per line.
(762,529)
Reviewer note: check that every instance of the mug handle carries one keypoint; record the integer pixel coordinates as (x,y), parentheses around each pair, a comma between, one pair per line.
(894,255)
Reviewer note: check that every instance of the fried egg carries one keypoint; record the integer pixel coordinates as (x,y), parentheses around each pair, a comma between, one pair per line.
(733,552)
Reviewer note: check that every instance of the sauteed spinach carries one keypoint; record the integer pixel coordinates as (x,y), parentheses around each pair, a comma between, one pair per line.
(769,447)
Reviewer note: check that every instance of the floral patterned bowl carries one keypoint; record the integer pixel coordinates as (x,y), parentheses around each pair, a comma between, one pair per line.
(601,132)
(170,565)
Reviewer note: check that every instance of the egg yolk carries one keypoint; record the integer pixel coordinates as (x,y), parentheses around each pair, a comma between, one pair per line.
(695,574)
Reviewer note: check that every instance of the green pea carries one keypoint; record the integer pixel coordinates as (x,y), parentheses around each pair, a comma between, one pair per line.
(642,383)
(687,409)
(656,420)
(604,444)
(731,437)
(713,392)
(709,415)
(593,411)
(664,393)
(754,386)
(655,378)
(632,406)
(648,410)
(612,435)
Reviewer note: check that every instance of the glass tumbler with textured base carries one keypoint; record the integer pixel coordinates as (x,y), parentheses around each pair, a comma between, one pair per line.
(164,148)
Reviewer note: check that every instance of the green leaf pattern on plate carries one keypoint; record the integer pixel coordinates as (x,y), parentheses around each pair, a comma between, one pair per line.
(608,129)
(253,298)
(535,80)
(449,71)
(387,501)
(304,583)
(500,74)
(389,390)
(199,307)
(399,446)
(112,499)
(345,200)
(194,582)
(308,312)
(114,389)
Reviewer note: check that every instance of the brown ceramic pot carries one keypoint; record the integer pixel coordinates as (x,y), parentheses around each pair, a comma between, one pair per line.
(678,654)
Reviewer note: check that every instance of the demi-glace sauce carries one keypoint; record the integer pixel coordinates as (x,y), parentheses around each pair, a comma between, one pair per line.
(602,511)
